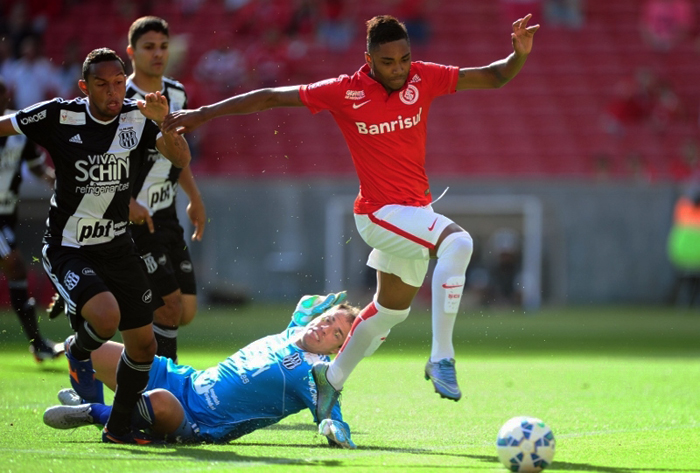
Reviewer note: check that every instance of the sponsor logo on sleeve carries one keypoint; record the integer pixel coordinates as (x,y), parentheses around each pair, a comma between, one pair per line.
(37,117)
(322,83)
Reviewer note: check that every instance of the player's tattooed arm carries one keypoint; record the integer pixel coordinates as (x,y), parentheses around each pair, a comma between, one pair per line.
(174,147)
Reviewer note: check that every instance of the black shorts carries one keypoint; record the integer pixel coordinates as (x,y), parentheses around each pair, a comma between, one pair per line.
(78,274)
(166,258)
(8,242)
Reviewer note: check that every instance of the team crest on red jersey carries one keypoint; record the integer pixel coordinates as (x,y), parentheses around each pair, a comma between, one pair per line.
(409,96)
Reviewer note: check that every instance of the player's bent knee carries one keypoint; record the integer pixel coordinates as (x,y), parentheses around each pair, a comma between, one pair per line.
(457,245)
(103,315)
(170,314)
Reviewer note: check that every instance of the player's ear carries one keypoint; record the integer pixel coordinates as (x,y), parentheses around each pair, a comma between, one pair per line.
(82,85)
(130,51)
(368,59)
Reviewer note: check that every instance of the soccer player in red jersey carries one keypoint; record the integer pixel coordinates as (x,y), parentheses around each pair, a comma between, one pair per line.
(382,111)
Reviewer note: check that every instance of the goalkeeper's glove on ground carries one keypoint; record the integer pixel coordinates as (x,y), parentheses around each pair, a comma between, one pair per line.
(337,433)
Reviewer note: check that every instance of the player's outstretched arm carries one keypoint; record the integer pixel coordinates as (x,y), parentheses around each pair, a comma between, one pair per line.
(337,433)
(498,73)
(185,121)
(171,145)
(6,127)
(309,307)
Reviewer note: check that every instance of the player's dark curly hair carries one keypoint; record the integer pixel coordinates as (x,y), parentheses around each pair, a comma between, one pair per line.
(384,29)
(145,24)
(100,55)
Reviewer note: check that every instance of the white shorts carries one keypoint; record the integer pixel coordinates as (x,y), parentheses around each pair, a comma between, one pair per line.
(401,238)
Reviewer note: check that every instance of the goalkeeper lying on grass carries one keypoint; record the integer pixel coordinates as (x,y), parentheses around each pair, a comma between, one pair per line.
(257,386)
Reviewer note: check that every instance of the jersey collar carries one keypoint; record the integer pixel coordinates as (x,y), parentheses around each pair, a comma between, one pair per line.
(365,74)
(101,122)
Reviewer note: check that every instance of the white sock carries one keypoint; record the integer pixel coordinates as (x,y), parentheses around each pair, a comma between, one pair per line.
(447,286)
(368,332)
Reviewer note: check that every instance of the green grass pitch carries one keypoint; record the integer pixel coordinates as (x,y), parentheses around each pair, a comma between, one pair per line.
(619,386)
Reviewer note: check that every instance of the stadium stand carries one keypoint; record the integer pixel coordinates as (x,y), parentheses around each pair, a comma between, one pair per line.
(546,123)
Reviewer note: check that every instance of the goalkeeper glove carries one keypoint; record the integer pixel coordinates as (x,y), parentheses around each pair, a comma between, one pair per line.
(311,306)
(337,434)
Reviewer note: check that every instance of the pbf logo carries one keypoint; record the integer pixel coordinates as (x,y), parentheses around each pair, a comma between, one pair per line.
(92,231)
(161,196)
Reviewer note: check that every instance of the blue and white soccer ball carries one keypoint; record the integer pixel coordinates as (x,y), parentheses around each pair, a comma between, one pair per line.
(525,444)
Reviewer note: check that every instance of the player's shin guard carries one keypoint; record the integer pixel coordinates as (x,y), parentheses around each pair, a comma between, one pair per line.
(167,341)
(132,378)
(85,342)
(368,332)
(447,287)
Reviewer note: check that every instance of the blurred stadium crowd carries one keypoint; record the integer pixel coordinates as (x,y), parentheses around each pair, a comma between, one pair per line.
(611,91)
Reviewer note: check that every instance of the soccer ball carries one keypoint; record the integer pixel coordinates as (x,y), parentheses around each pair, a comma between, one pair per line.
(525,444)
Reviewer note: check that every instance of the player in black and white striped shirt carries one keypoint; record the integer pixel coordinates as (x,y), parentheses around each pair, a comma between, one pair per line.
(161,241)
(97,143)
(14,150)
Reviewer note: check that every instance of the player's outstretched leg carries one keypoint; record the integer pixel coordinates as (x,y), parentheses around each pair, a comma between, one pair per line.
(82,377)
(69,417)
(444,378)
(326,394)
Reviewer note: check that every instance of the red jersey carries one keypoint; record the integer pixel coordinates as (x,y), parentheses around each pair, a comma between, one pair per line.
(385,132)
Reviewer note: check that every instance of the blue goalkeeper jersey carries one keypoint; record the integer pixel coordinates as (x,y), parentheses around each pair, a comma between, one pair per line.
(257,386)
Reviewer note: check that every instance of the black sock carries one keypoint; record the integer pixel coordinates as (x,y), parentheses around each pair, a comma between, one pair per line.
(85,342)
(167,341)
(24,308)
(132,379)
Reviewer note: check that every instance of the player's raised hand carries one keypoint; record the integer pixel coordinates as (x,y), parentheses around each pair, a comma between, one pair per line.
(183,121)
(198,216)
(154,106)
(336,433)
(522,35)
(309,307)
